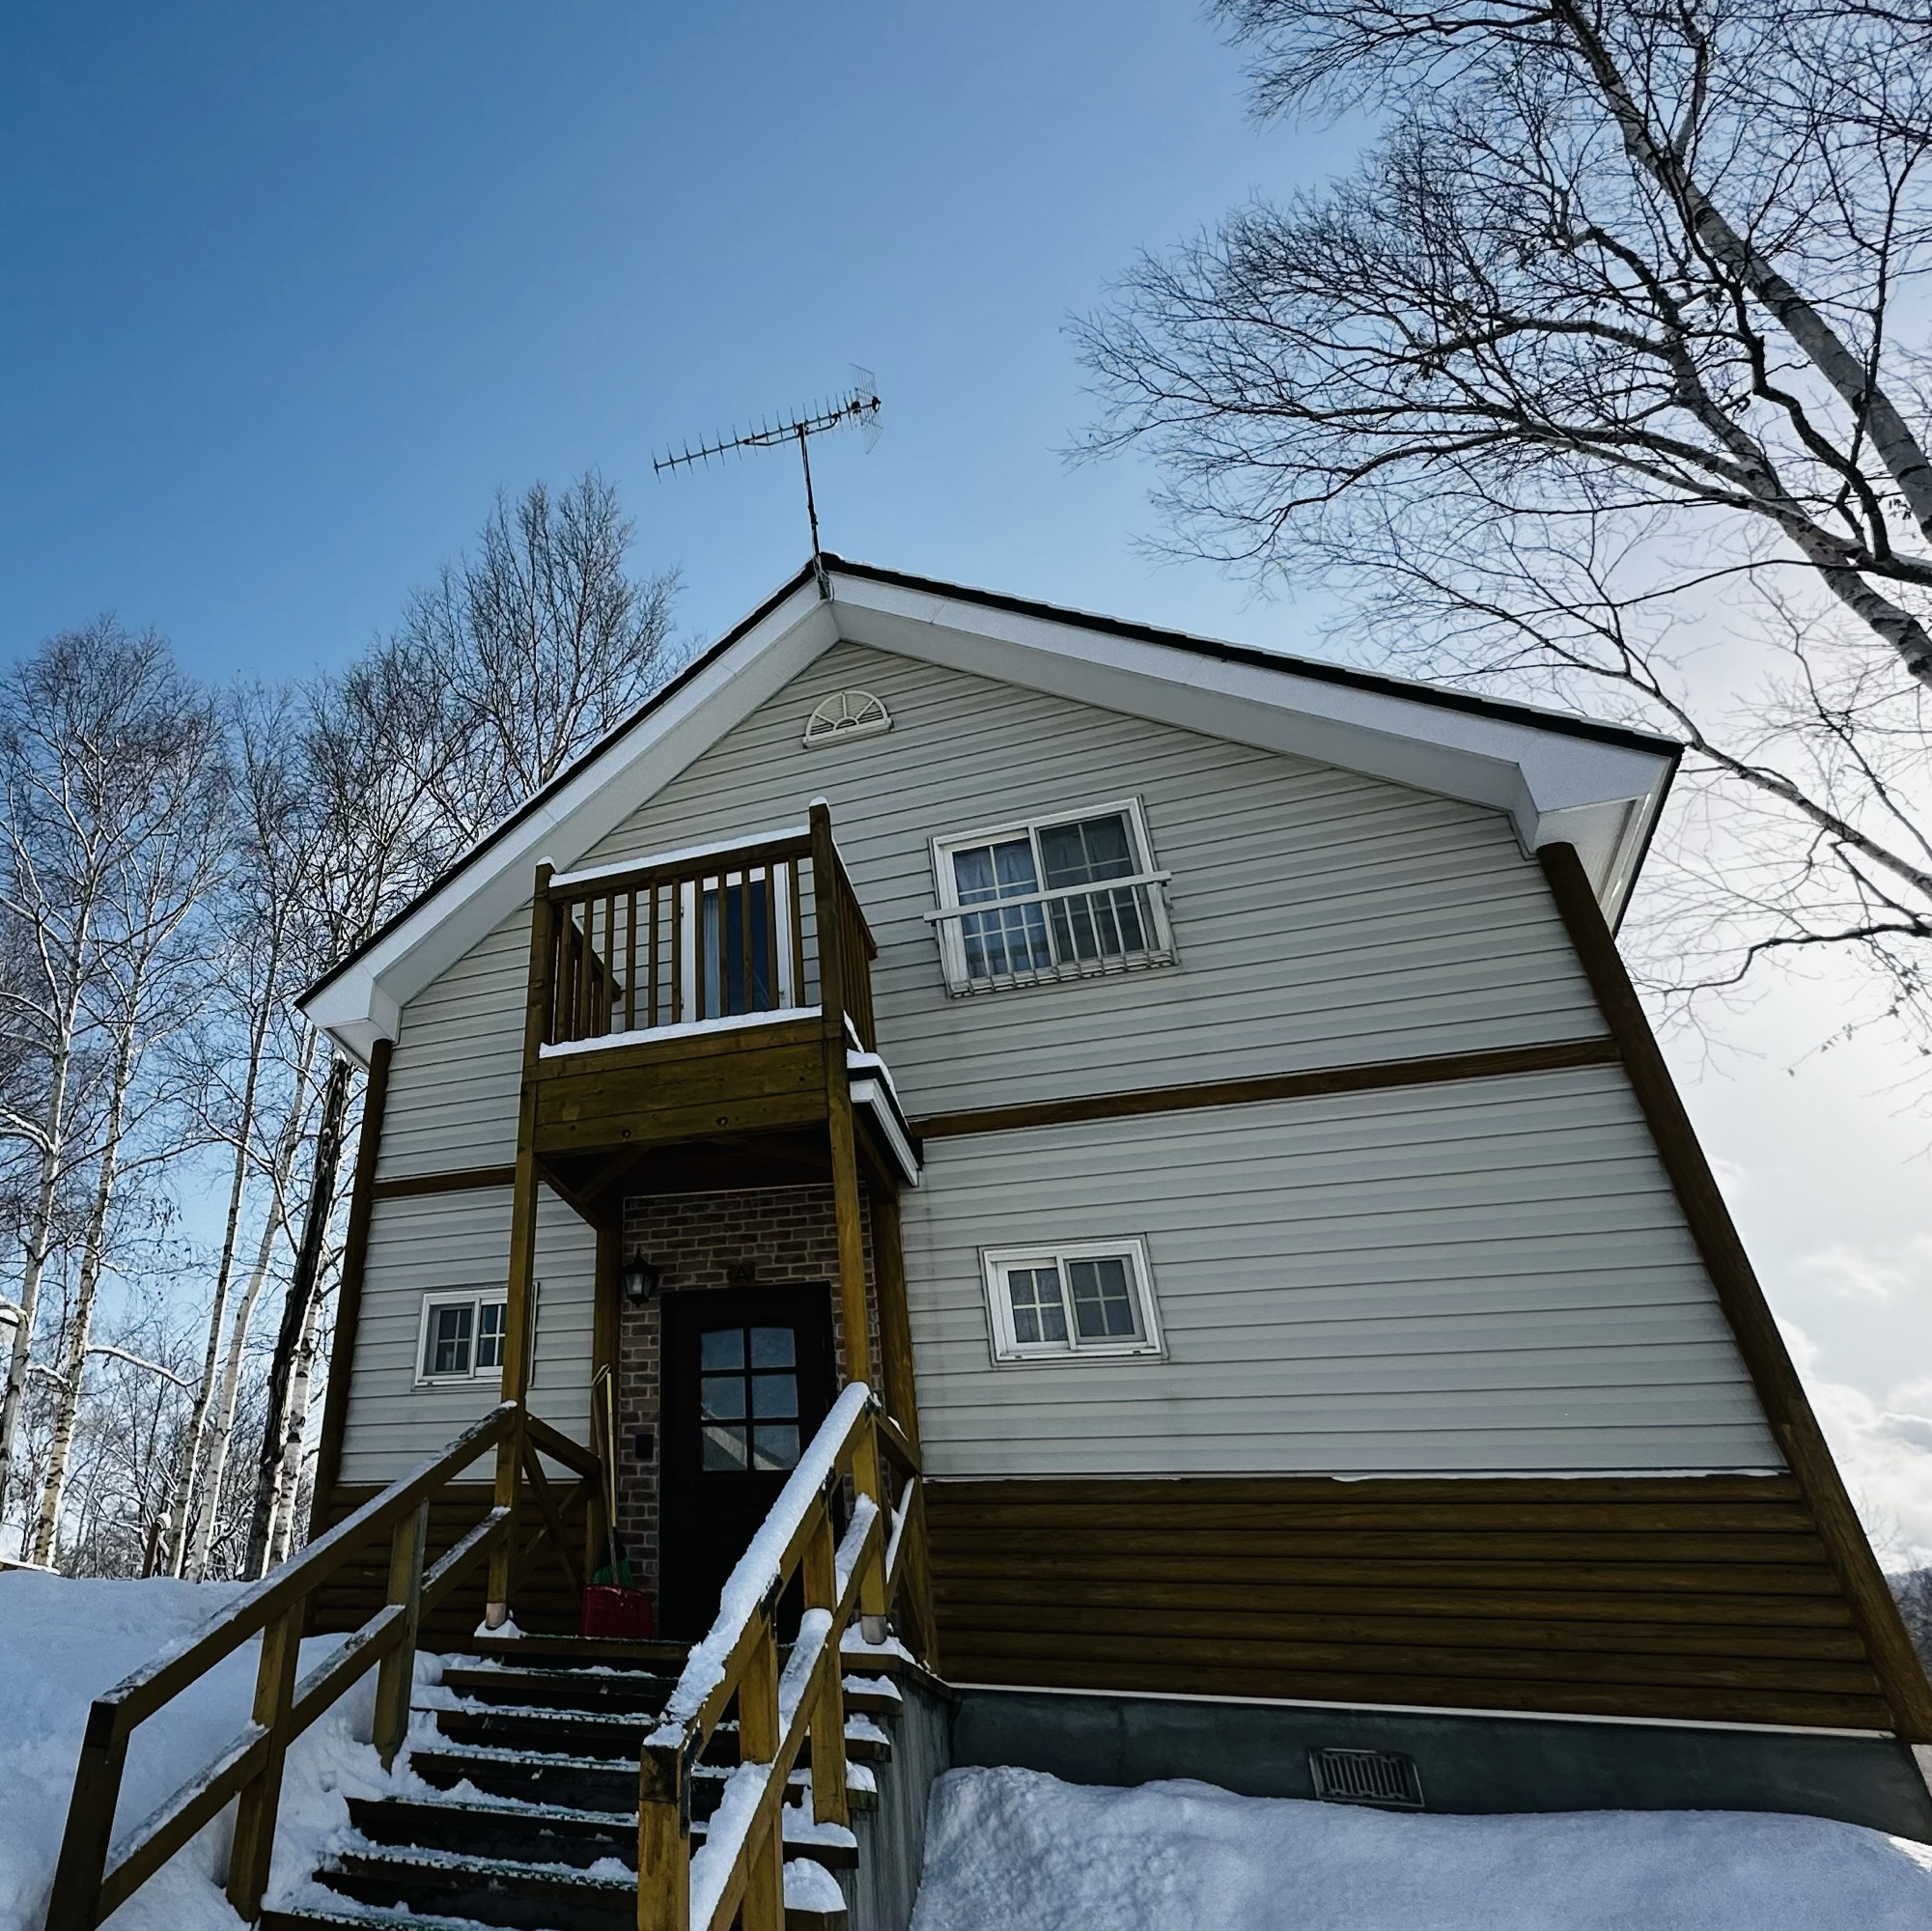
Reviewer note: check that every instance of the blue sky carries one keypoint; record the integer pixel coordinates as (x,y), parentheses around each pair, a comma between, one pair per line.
(293,291)
(289,293)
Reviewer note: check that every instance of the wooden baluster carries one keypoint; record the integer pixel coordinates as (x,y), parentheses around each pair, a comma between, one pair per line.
(677,1012)
(76,1904)
(261,1799)
(651,959)
(831,1801)
(630,963)
(700,951)
(770,937)
(764,1908)
(744,939)
(798,935)
(664,1840)
(397,1675)
(585,1012)
(608,981)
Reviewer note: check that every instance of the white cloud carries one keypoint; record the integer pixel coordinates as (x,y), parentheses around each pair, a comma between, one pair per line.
(1884,1450)
(1878,1276)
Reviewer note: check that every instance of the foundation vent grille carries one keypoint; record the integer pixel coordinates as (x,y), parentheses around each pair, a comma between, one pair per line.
(1384,1778)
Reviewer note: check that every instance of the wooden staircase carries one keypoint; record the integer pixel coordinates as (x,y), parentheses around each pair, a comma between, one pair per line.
(533,1823)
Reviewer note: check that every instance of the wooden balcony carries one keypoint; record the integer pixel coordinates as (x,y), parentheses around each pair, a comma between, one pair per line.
(705,997)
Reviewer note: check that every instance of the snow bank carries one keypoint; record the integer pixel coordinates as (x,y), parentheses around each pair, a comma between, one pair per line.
(1024,1852)
(62,1643)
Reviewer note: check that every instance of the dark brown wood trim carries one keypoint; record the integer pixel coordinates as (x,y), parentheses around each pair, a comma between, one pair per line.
(458,1180)
(1787,1409)
(1553,1055)
(348,1299)
(1703,1599)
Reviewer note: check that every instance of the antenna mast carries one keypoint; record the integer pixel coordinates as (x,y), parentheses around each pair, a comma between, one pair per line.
(859,407)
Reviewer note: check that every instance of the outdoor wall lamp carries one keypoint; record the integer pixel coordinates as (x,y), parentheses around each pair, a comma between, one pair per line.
(640,1281)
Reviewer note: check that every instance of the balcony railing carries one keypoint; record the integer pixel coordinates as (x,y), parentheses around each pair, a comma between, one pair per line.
(712,933)
(1072,932)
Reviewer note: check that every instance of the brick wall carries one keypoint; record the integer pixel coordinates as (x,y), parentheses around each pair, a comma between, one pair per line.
(757,1237)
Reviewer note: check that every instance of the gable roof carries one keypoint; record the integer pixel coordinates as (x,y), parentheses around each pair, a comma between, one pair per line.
(1559,779)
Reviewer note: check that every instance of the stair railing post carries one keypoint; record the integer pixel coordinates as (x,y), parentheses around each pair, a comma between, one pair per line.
(260,1801)
(76,1904)
(868,1480)
(520,1310)
(764,1908)
(831,1801)
(396,1675)
(663,1840)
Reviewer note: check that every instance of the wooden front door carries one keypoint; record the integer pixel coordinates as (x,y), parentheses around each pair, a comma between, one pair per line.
(748,1380)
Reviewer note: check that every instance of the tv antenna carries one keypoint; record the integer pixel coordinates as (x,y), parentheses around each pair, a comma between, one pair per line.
(859,407)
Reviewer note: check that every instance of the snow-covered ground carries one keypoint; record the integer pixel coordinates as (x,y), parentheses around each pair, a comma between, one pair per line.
(60,1644)
(1022,1852)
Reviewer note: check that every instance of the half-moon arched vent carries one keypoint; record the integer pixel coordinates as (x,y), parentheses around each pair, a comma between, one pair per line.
(846,714)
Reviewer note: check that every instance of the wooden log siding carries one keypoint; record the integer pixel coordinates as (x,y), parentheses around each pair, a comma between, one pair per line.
(1698,1599)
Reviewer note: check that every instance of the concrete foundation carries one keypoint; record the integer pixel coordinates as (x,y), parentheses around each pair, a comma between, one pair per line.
(1471,1764)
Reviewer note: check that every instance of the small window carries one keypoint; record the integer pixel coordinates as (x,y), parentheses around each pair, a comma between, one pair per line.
(844,716)
(463,1336)
(1071,896)
(1094,1299)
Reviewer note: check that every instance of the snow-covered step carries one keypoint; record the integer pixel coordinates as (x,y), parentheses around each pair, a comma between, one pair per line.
(610,1735)
(550,1835)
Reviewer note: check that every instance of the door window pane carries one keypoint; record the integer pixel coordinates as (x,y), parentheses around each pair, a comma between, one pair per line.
(724,1448)
(721,1347)
(1038,1314)
(1103,1305)
(775,1395)
(773,1348)
(738,980)
(774,1446)
(723,1398)
(448,1350)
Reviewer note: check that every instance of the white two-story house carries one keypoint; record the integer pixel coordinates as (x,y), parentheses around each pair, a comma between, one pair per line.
(1198,1088)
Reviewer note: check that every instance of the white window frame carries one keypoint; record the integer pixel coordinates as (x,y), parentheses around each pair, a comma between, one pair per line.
(995,1261)
(477,1299)
(1152,894)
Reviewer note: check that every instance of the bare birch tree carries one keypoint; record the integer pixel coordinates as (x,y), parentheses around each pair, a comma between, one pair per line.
(1602,378)
(169,773)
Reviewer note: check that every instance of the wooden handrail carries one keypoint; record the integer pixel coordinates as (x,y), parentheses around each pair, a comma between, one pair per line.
(739,1869)
(95,1873)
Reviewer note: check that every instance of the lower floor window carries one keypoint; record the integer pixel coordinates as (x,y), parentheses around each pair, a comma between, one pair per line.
(1087,1298)
(462,1337)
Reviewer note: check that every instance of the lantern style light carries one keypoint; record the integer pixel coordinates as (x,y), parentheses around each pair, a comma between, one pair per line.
(640,1281)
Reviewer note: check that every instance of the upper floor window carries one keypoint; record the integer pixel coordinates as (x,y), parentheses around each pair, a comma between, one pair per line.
(1065,897)
(462,1336)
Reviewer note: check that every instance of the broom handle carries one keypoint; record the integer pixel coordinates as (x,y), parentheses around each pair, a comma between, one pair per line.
(605,1383)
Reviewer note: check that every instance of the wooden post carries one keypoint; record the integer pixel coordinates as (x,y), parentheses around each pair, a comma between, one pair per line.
(518,1339)
(831,1803)
(348,1297)
(260,1801)
(895,1325)
(840,1128)
(764,1908)
(76,1904)
(664,1840)
(867,1479)
(396,1676)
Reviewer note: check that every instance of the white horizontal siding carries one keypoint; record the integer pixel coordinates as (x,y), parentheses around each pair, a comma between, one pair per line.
(1489,1276)
(425,1244)
(1322,917)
